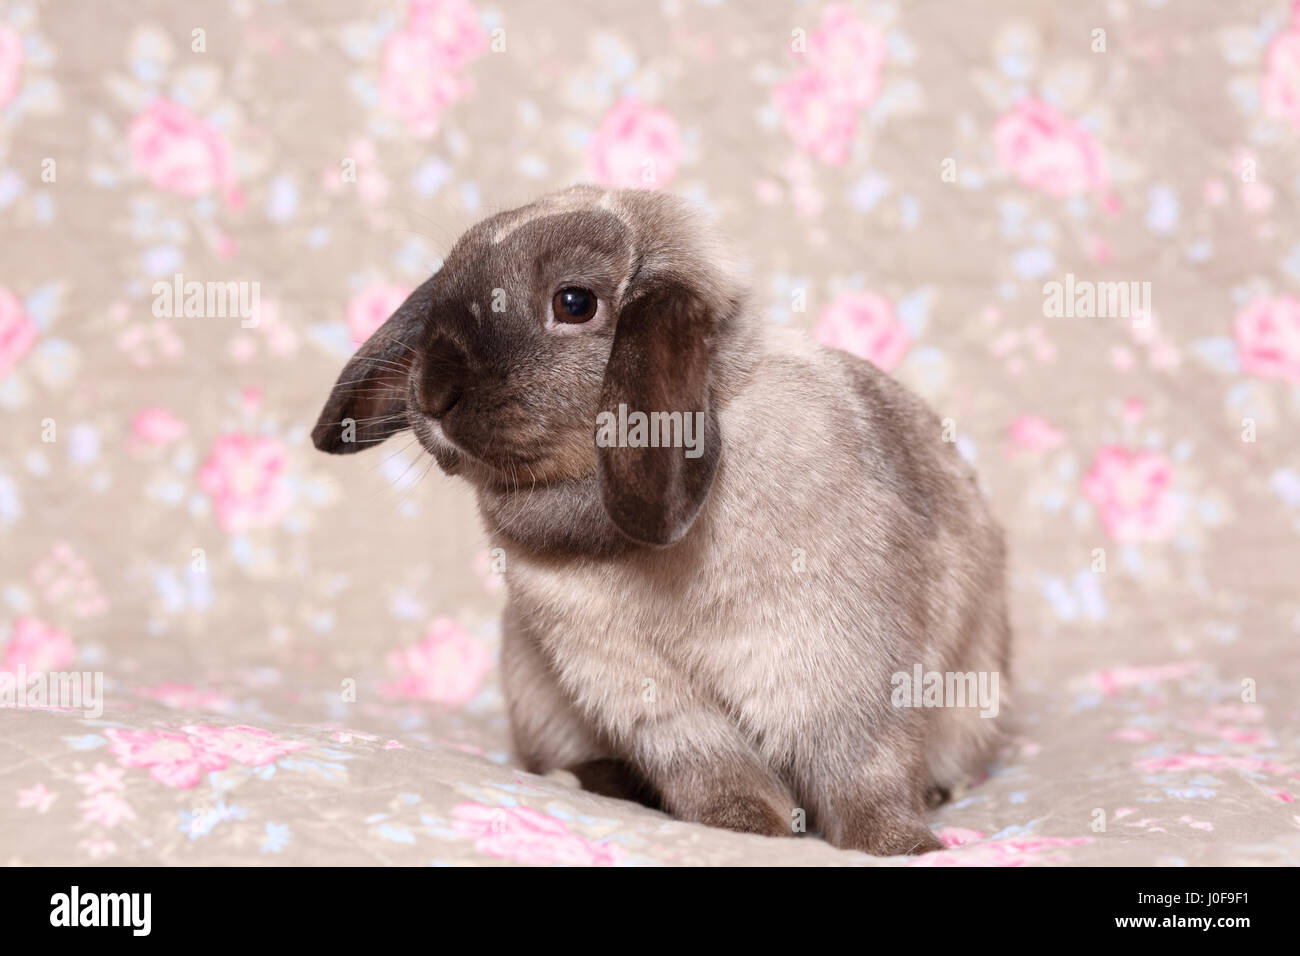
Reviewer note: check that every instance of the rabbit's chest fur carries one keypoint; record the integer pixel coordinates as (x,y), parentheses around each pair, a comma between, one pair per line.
(821,565)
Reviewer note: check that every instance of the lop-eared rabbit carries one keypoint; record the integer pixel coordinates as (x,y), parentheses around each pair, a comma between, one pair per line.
(708,618)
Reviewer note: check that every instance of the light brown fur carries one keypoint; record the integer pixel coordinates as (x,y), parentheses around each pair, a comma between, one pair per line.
(738,682)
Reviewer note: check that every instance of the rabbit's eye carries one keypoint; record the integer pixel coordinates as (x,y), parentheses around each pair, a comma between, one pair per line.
(574,305)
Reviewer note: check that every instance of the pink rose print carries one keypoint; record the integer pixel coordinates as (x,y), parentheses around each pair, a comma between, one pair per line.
(849,53)
(181,153)
(1173,763)
(819,124)
(38,798)
(37,647)
(245,476)
(451,26)
(1048,152)
(958,836)
(864,324)
(17,332)
(250,746)
(820,104)
(1113,681)
(106,809)
(65,578)
(1268,338)
(1031,433)
(1131,492)
(422,62)
(11,63)
(371,307)
(157,426)
(524,835)
(181,759)
(636,146)
(103,779)
(175,760)
(1017,851)
(447,667)
(1280,88)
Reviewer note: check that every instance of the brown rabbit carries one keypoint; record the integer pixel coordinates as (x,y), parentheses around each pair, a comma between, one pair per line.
(713,621)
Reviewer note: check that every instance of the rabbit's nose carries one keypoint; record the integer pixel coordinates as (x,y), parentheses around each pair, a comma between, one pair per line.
(443,382)
(441,400)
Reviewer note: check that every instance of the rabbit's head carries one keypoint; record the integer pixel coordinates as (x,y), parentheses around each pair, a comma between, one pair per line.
(544,325)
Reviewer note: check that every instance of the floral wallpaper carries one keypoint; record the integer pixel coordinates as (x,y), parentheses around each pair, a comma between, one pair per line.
(1072,228)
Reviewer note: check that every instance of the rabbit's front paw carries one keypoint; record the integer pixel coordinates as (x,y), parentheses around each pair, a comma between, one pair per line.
(886,830)
(744,813)
(891,839)
(900,841)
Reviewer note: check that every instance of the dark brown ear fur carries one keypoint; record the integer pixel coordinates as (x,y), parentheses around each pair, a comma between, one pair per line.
(368,402)
(659,363)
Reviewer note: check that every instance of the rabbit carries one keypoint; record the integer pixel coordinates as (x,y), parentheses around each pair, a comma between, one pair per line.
(715,629)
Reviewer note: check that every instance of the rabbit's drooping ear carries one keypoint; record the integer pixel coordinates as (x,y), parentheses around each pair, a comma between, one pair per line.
(659,363)
(368,402)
